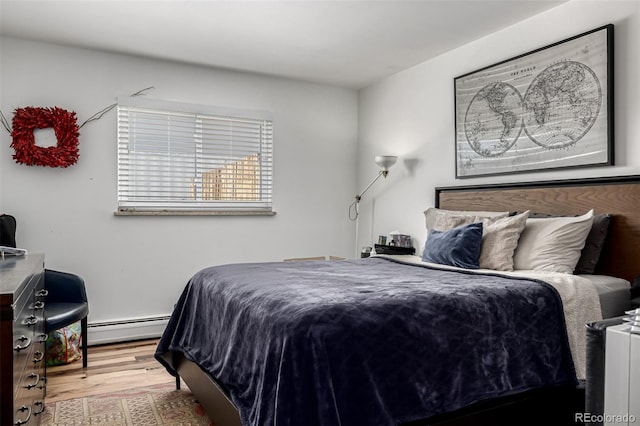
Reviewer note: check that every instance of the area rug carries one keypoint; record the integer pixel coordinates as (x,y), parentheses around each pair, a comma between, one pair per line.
(148,406)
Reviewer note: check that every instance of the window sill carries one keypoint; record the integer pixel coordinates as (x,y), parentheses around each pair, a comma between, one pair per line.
(193,213)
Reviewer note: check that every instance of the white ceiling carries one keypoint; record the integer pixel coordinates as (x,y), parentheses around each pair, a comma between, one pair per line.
(344,43)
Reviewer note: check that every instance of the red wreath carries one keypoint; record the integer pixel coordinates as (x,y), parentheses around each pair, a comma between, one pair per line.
(65,126)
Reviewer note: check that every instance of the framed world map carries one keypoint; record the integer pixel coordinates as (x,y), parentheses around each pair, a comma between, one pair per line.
(545,109)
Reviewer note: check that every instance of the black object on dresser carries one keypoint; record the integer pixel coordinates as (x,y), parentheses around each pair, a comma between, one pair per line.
(22,340)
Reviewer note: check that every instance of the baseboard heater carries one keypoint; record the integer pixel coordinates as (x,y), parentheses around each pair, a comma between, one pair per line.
(99,333)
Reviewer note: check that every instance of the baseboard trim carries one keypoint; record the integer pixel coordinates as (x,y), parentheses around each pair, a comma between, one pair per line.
(99,333)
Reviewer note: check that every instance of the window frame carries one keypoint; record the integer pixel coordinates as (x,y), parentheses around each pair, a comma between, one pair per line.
(261,175)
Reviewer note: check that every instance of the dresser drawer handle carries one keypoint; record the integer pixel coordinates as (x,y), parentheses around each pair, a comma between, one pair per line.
(39,356)
(43,337)
(36,306)
(22,410)
(31,320)
(41,410)
(34,384)
(43,379)
(42,293)
(19,348)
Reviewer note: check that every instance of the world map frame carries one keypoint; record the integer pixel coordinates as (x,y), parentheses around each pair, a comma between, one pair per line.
(550,108)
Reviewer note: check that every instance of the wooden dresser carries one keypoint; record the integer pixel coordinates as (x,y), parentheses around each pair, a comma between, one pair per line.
(22,340)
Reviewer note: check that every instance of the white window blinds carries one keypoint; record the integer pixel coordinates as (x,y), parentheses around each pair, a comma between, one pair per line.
(178,157)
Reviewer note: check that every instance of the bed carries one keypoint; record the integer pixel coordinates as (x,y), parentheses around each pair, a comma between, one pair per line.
(367,342)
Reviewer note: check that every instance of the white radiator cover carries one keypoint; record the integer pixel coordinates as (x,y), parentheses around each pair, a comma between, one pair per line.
(99,333)
(622,377)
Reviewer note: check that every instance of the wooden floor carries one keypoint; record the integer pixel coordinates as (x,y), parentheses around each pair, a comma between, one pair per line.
(110,368)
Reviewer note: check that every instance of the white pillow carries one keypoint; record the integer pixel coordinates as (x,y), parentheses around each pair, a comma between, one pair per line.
(432,213)
(552,244)
(500,238)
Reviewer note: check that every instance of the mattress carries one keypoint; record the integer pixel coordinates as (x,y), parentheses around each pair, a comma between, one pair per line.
(613,293)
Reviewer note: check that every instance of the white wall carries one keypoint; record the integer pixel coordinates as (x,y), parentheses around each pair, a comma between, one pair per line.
(411,114)
(137,266)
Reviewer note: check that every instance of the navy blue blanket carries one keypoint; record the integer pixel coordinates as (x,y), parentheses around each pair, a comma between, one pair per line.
(365,342)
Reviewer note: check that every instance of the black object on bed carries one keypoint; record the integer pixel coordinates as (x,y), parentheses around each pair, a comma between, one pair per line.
(366,342)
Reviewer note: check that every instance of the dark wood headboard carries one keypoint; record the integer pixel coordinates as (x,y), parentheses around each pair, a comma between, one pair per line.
(619,196)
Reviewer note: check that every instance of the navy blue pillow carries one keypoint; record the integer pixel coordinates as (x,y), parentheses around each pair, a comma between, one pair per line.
(459,246)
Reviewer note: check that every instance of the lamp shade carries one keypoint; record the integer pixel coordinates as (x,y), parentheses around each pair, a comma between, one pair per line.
(386,161)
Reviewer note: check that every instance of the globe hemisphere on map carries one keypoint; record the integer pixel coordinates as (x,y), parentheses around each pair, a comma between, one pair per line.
(493,120)
(562,104)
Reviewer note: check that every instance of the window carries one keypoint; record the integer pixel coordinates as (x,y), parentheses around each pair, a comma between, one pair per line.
(176,158)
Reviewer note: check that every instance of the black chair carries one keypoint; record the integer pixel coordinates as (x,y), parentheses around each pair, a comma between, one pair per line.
(65,304)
